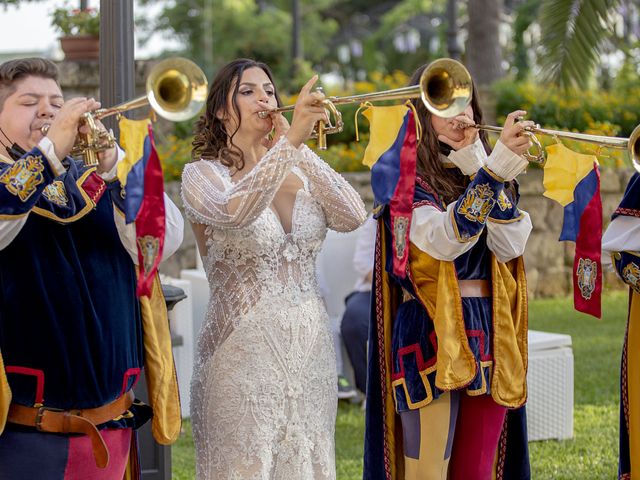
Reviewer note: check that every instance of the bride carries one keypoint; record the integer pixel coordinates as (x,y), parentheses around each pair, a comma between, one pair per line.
(264,386)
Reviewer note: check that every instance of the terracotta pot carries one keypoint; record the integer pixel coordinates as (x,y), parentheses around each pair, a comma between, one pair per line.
(80,47)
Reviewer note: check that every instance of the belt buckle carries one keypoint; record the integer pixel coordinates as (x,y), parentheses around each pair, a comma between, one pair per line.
(40,414)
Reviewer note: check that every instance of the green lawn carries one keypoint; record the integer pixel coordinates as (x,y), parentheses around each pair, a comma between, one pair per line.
(591,455)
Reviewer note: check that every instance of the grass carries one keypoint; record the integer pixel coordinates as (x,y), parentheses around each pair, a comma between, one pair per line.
(590,455)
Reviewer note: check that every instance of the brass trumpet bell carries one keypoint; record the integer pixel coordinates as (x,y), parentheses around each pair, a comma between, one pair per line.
(176,90)
(446,87)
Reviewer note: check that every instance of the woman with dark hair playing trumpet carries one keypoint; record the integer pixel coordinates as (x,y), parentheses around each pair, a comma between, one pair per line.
(264,386)
(448,342)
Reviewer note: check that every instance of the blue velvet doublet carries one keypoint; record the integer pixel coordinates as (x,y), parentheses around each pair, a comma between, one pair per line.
(627,264)
(70,327)
(414,342)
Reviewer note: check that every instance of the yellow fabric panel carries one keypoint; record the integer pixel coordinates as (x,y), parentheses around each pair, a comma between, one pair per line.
(162,383)
(436,286)
(633,384)
(132,135)
(5,396)
(390,303)
(384,125)
(563,170)
(510,324)
(434,433)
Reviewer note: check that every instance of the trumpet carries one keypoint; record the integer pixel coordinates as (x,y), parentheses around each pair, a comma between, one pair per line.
(176,89)
(631,144)
(445,88)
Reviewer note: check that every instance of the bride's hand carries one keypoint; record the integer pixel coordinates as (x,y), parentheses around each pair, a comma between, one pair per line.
(280,128)
(308,111)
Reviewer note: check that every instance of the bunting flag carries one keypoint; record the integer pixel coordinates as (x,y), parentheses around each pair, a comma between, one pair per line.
(391,155)
(140,175)
(573,180)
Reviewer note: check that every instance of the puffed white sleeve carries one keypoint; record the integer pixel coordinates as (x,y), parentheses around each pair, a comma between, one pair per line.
(174,231)
(507,240)
(432,232)
(622,234)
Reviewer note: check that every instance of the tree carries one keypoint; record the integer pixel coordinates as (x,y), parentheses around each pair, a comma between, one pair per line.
(573,34)
(245,28)
(484,52)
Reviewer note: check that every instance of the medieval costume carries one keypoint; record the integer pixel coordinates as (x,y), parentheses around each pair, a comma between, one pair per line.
(448,342)
(73,335)
(621,249)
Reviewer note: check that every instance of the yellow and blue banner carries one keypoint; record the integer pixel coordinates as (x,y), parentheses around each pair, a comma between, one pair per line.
(573,180)
(391,156)
(140,175)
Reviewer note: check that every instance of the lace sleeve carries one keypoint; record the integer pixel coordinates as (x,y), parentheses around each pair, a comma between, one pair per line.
(211,199)
(342,205)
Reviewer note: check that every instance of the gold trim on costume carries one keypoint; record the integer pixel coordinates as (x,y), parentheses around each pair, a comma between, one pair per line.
(508,220)
(56,193)
(459,237)
(89,204)
(477,203)
(23,177)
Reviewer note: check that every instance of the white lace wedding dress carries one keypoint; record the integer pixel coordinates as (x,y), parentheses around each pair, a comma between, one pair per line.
(263,395)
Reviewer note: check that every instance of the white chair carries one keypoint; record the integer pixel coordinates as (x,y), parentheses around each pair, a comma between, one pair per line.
(335,263)
(550,386)
(181,322)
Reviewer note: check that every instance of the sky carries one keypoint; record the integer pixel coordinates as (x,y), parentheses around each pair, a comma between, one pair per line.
(13,20)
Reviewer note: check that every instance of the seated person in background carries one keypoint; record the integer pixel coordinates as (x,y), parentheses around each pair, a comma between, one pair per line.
(355,320)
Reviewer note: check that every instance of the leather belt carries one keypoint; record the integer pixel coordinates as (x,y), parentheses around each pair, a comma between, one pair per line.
(474,288)
(54,420)
(468,288)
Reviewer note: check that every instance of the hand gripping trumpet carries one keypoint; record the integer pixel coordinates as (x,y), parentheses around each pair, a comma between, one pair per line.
(176,90)
(631,144)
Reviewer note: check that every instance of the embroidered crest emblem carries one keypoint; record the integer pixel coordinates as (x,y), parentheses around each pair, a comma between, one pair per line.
(56,193)
(400,227)
(477,203)
(503,202)
(23,177)
(586,272)
(149,246)
(631,275)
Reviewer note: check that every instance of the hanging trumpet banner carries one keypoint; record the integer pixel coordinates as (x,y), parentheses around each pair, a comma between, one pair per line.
(391,156)
(573,180)
(140,175)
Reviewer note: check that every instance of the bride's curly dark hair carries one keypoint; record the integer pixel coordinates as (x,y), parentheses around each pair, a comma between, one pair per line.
(211,140)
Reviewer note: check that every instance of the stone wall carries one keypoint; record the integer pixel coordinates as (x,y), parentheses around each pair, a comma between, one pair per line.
(548,262)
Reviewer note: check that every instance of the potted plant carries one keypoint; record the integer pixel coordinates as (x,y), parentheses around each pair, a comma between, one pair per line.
(80,31)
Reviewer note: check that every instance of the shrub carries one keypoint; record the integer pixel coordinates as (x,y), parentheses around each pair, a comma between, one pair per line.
(174,153)
(596,113)
(71,22)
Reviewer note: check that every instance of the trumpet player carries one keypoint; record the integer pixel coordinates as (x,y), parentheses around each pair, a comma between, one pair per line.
(621,251)
(71,336)
(448,342)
